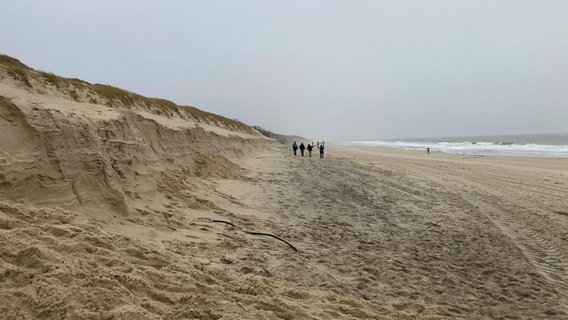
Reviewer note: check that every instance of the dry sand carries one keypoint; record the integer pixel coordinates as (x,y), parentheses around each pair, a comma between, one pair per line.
(108,214)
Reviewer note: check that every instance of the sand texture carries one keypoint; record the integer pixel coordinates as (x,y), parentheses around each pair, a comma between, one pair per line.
(130,213)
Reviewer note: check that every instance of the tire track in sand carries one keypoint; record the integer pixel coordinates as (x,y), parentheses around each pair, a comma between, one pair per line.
(541,253)
(547,260)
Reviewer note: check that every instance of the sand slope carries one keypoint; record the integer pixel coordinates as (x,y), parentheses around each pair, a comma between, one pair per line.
(72,154)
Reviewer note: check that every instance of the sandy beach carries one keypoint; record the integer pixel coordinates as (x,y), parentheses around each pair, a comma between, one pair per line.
(382,234)
(130,212)
(406,234)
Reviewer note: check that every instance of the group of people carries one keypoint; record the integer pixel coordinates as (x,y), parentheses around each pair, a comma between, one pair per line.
(310,147)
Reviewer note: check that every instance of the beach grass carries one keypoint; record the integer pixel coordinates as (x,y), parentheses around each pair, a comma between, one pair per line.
(16,69)
(80,90)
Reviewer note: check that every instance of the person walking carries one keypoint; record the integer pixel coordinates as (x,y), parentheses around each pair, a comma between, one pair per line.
(294,147)
(310,147)
(321,150)
(302,148)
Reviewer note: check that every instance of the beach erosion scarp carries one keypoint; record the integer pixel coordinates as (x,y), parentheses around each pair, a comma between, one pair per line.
(94,180)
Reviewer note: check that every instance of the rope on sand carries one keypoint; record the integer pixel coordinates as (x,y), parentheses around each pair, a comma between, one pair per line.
(258,233)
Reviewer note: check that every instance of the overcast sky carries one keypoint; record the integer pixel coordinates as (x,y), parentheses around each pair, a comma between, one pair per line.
(334,70)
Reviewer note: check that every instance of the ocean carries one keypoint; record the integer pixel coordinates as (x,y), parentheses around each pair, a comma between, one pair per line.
(532,145)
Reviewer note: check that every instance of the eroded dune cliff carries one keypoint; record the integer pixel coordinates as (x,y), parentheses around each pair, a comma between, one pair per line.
(71,147)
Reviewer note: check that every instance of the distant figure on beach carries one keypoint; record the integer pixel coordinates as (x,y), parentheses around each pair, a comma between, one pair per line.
(310,147)
(428,150)
(294,147)
(302,148)
(321,150)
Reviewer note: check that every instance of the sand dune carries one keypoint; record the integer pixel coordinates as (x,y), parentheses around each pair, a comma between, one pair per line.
(107,213)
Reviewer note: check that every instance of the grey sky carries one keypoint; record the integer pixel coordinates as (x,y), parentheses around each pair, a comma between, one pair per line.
(322,69)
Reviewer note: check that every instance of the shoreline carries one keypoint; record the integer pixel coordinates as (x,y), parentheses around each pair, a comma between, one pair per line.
(470,151)
(558,164)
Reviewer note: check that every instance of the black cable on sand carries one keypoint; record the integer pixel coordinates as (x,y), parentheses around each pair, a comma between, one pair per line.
(225,222)
(259,234)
